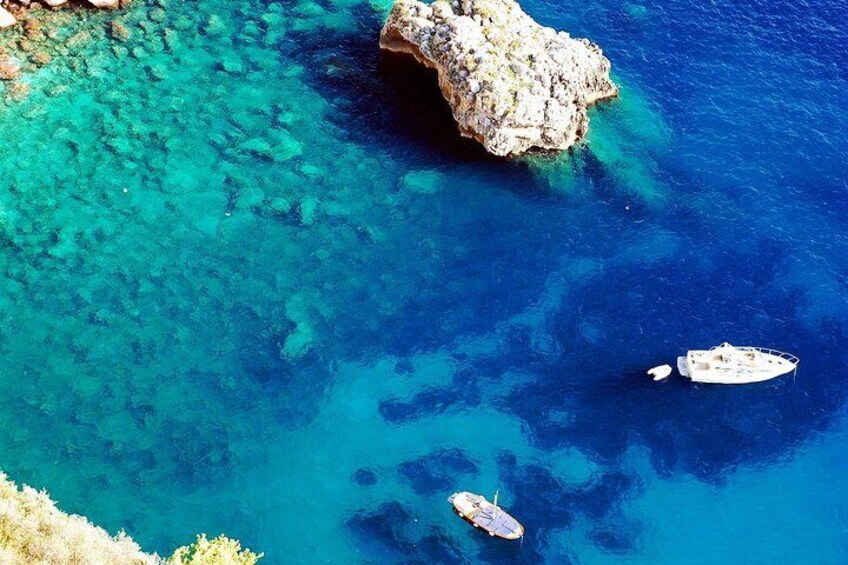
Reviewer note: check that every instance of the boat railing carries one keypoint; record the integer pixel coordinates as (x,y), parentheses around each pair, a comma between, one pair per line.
(782,354)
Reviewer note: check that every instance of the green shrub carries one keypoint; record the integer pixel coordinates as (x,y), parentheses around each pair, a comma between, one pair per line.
(33,530)
(219,551)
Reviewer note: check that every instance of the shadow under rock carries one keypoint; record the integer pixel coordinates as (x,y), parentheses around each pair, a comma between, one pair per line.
(383,97)
(390,99)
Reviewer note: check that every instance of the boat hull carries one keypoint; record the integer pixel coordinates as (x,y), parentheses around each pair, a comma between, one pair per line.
(735,379)
(750,365)
(485,516)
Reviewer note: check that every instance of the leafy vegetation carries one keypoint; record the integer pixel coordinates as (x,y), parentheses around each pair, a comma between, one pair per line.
(33,530)
(219,551)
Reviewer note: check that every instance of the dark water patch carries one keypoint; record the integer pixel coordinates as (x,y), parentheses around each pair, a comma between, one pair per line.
(426,481)
(704,430)
(382,529)
(364,477)
(463,391)
(438,547)
(404,367)
(538,493)
(421,115)
(550,504)
(199,456)
(596,174)
(437,471)
(304,378)
(619,539)
(138,461)
(387,533)
(604,495)
(528,551)
(385,97)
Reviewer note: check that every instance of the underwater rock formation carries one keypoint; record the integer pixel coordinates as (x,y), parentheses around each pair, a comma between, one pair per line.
(512,84)
(35,32)
(9,70)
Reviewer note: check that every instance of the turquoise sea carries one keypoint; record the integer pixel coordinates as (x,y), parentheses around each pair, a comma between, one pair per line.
(253,282)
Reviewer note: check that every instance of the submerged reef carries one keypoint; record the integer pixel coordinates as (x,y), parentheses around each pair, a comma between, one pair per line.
(33,34)
(512,84)
(33,530)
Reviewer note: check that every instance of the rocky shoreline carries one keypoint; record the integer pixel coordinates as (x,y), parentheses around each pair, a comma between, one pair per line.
(11,11)
(34,530)
(33,34)
(513,85)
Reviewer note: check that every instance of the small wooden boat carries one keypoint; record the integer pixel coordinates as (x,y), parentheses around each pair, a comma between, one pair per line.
(485,515)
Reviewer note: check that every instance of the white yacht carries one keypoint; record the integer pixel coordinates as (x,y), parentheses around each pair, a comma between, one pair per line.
(727,364)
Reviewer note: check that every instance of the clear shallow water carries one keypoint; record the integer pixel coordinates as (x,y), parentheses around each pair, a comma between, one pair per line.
(252,283)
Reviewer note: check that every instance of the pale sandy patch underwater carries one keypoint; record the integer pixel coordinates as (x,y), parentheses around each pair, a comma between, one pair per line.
(311,299)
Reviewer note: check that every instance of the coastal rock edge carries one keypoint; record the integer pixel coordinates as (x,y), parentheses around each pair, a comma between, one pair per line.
(513,85)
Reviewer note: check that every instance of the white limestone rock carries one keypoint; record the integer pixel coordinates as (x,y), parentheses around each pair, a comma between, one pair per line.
(513,85)
(6,19)
(105,4)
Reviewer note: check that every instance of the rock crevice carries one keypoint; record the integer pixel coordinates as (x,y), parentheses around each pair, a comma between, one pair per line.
(513,85)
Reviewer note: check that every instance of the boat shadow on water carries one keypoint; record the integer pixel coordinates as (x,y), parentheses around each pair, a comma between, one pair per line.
(384,98)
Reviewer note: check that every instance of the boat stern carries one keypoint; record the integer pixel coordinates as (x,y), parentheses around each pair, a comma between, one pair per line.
(682,366)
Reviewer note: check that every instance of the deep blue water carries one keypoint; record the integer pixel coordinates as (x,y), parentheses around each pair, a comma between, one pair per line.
(309,346)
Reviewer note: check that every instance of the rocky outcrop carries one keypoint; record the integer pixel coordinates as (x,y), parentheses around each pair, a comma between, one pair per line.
(105,4)
(9,70)
(38,30)
(6,18)
(8,7)
(512,84)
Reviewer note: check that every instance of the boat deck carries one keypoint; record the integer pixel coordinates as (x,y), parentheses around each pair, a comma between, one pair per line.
(726,364)
(496,523)
(484,515)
